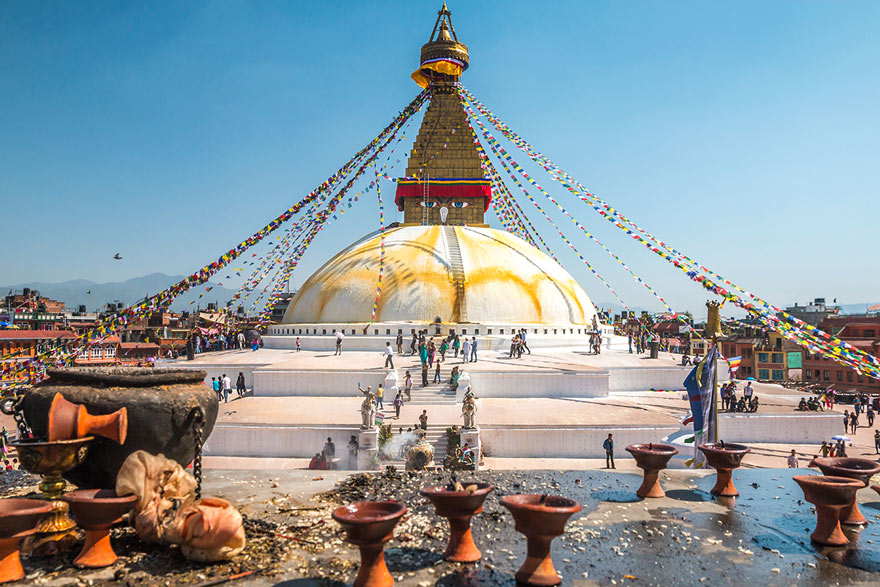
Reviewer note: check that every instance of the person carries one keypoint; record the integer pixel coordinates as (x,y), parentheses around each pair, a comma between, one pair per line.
(215,385)
(792,460)
(453,378)
(398,403)
(255,345)
(414,344)
(522,339)
(444,346)
(227,388)
(399,342)
(841,448)
(824,449)
(832,451)
(748,392)
(853,422)
(465,350)
(857,406)
(298,344)
(423,352)
(724,397)
(423,420)
(473,349)
(437,373)
(608,445)
(380,395)
(240,339)
(456,345)
(877,441)
(239,384)
(845,421)
(424,375)
(389,355)
(629,341)
(514,342)
(353,452)
(329,451)
(407,385)
(317,462)
(869,413)
(685,360)
(432,351)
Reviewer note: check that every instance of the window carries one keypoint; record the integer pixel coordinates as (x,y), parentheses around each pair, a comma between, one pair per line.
(808,374)
(762,357)
(83,353)
(869,333)
(826,375)
(763,374)
(109,351)
(776,358)
(849,376)
(839,375)
(778,375)
(96,352)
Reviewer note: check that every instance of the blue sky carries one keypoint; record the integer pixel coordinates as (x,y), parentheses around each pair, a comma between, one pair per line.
(744,133)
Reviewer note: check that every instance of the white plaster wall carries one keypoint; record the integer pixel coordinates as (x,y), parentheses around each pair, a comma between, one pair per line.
(782,428)
(565,442)
(272,382)
(218,370)
(647,377)
(538,384)
(238,440)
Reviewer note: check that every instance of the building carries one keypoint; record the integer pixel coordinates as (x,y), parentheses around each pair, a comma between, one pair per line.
(26,344)
(813,313)
(28,310)
(861,331)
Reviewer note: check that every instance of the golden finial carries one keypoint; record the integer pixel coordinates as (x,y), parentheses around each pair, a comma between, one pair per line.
(713,320)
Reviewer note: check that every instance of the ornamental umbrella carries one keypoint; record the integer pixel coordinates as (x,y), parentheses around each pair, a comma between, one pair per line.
(841,437)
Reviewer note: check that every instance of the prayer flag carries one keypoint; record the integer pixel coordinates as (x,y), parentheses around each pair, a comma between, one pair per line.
(700,386)
(734,363)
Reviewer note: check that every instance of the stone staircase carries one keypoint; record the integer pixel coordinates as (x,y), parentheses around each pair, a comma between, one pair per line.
(436,393)
(456,269)
(436,437)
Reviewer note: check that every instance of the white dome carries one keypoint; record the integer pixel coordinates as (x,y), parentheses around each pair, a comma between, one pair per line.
(456,273)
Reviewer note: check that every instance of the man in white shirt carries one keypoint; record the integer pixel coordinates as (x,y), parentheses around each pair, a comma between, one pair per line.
(792,460)
(389,354)
(226,385)
(748,391)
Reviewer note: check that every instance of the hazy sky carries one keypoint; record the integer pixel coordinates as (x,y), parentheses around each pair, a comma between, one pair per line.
(744,133)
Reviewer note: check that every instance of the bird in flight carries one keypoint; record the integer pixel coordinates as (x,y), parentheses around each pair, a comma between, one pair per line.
(117,256)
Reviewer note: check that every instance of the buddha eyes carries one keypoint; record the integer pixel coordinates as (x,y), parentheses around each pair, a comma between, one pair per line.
(435,204)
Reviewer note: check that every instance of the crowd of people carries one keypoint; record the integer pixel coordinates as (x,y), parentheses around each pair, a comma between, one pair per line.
(222,386)
(220,340)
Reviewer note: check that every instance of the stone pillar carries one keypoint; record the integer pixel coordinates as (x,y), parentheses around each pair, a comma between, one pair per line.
(368,449)
(471,437)
(464,381)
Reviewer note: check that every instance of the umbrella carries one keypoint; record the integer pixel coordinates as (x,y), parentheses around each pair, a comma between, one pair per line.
(750,378)
(841,437)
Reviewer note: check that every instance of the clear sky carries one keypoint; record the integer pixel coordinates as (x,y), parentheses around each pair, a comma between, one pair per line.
(744,133)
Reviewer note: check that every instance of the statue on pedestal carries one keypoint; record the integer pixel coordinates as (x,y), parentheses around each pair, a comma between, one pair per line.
(368,409)
(469,412)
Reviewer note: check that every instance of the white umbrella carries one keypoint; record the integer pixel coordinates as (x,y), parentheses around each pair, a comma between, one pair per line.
(841,437)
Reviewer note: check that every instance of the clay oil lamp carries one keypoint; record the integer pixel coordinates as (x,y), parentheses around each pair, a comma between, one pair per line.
(96,510)
(458,502)
(18,519)
(724,458)
(541,518)
(369,525)
(68,420)
(830,495)
(652,458)
(51,460)
(860,469)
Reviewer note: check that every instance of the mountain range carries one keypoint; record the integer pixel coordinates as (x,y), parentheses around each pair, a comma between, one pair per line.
(75,292)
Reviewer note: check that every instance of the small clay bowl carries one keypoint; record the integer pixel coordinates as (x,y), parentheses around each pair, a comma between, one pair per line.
(96,510)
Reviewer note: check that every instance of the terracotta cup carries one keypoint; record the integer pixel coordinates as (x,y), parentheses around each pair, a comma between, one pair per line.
(830,495)
(724,458)
(18,519)
(68,421)
(851,468)
(459,507)
(652,458)
(96,510)
(541,518)
(369,525)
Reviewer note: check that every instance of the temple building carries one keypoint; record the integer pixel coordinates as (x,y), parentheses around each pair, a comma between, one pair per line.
(443,263)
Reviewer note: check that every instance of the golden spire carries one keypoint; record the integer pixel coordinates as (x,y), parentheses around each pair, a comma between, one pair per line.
(443,57)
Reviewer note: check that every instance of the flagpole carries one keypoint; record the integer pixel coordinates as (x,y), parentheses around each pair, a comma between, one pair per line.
(715,390)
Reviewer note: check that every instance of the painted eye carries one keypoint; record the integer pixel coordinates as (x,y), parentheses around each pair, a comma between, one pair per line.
(428,204)
(460,204)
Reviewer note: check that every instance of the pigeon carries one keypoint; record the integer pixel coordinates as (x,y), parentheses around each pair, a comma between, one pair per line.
(117,256)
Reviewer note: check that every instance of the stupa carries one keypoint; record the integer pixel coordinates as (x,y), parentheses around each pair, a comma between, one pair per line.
(443,263)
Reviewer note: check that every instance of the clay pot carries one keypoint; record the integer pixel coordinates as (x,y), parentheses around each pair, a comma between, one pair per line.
(68,421)
(96,510)
(652,458)
(459,507)
(18,518)
(161,407)
(724,457)
(851,468)
(830,495)
(369,525)
(541,518)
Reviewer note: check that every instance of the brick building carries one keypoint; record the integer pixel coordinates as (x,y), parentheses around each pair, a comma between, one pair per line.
(861,331)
